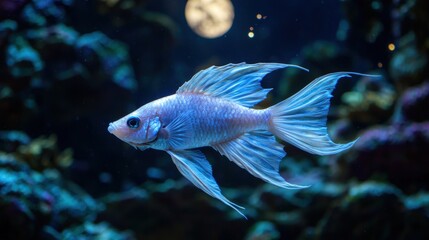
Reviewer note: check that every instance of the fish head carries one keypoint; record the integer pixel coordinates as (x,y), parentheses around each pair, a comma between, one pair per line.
(136,130)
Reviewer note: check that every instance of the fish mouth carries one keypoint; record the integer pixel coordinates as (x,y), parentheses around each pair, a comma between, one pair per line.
(111,128)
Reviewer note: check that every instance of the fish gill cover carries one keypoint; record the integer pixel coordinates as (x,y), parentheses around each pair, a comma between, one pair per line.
(68,68)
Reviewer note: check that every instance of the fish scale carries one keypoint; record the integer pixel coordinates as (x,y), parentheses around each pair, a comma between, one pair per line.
(215,120)
(205,127)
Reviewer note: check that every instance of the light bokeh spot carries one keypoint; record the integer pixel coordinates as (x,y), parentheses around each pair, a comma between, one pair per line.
(209,18)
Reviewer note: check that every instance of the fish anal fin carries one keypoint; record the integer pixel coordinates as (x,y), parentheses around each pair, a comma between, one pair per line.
(239,83)
(260,154)
(194,166)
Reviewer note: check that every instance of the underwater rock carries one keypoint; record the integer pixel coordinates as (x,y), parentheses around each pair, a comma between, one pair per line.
(150,35)
(323,211)
(316,199)
(342,130)
(38,13)
(93,56)
(42,153)
(22,59)
(277,199)
(90,230)
(173,209)
(32,17)
(46,63)
(106,58)
(417,207)
(11,140)
(397,153)
(372,97)
(274,199)
(41,205)
(295,211)
(39,154)
(96,66)
(418,201)
(414,103)
(30,201)
(54,64)
(7,27)
(54,42)
(263,231)
(370,102)
(54,9)
(371,210)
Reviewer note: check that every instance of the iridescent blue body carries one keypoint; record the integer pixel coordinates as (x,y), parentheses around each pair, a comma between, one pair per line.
(214,109)
(210,120)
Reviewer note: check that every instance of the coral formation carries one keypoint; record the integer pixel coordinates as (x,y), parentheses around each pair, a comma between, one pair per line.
(395,153)
(413,104)
(370,102)
(374,210)
(40,205)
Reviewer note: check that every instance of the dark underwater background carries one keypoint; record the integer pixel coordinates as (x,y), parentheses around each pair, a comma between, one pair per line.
(69,67)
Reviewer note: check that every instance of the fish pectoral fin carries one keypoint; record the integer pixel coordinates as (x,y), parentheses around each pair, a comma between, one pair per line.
(179,130)
(239,83)
(194,166)
(260,154)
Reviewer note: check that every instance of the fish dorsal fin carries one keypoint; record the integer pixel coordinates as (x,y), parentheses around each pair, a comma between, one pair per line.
(239,83)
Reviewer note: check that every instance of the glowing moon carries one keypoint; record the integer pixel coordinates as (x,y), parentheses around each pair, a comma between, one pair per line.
(209,18)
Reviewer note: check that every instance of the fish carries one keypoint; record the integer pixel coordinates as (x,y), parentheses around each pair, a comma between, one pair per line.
(215,108)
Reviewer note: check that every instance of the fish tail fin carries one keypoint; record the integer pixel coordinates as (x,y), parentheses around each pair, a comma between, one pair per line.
(301,119)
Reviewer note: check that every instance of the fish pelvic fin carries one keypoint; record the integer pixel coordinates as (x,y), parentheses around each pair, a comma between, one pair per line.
(194,166)
(301,119)
(260,154)
(239,83)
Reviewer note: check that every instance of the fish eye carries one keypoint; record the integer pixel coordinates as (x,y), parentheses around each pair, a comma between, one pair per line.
(133,122)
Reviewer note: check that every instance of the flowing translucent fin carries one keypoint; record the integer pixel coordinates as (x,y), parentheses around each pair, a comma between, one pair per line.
(195,167)
(301,119)
(179,130)
(260,154)
(239,83)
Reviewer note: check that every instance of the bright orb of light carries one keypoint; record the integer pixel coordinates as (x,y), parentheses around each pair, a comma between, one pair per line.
(209,18)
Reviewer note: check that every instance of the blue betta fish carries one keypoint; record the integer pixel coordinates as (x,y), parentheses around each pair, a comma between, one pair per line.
(214,109)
